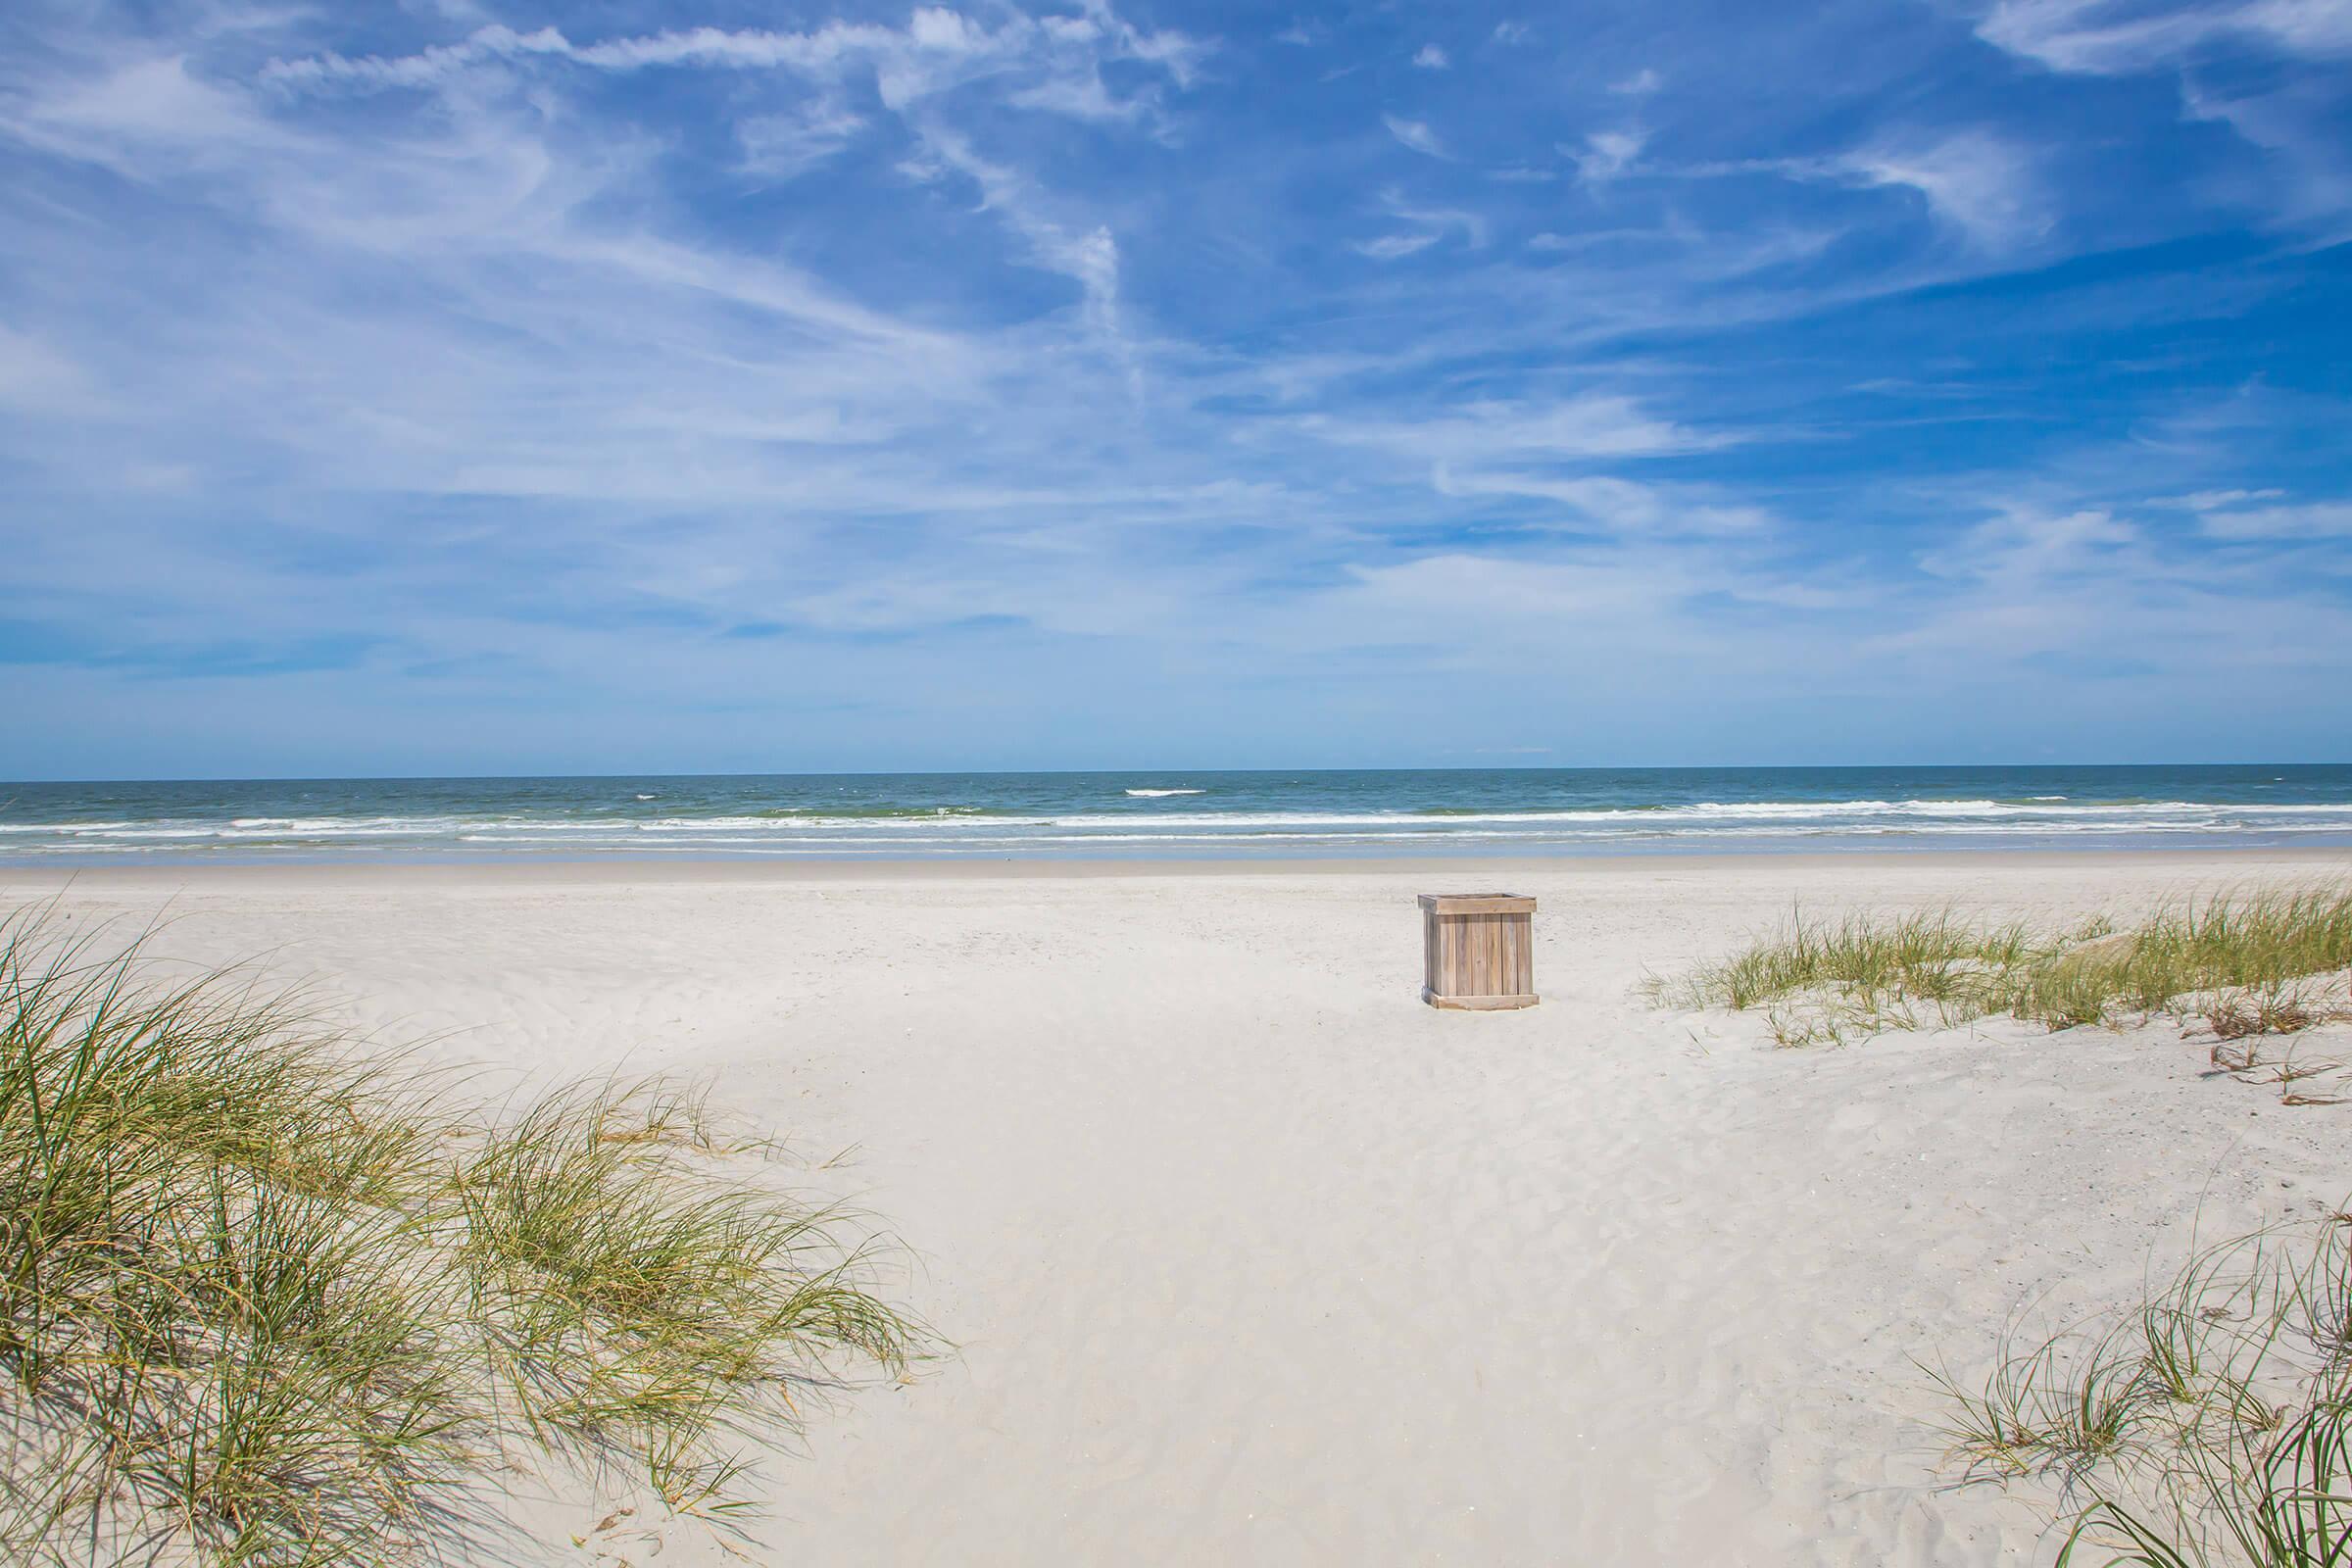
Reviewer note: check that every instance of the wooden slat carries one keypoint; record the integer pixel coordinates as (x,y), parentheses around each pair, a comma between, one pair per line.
(1478,904)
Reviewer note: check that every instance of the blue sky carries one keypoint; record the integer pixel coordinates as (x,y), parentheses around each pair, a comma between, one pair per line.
(510,387)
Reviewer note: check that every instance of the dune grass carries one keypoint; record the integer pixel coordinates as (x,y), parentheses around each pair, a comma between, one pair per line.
(2249,963)
(2212,1424)
(266,1298)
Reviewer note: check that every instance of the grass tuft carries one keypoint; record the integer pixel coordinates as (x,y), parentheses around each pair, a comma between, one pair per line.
(631,1302)
(2212,1426)
(268,1300)
(2246,964)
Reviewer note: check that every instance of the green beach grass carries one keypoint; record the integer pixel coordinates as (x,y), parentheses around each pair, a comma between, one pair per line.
(266,1297)
(2210,1425)
(2247,963)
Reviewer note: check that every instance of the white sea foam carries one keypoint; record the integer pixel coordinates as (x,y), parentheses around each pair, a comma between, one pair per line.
(316,825)
(1912,814)
(1162,819)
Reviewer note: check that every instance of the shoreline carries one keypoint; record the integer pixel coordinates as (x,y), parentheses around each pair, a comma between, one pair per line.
(530,870)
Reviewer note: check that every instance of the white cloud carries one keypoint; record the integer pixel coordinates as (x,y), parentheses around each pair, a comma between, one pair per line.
(1599,425)
(1613,504)
(782,145)
(1496,592)
(2025,544)
(1389,246)
(2086,590)
(1415,134)
(2110,37)
(142,116)
(2318,519)
(1438,222)
(1606,154)
(1083,97)
(1981,186)
(2213,499)
(1432,58)
(2290,111)
(937,49)
(2305,178)
(1050,64)
(1087,255)
(629,367)
(424,68)
(1176,53)
(1639,84)
(36,379)
(1690,254)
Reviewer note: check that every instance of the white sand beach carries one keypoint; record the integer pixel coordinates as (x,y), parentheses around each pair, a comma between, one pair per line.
(1250,1258)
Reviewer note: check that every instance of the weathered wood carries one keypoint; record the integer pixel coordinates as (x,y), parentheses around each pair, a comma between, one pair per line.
(1476,1003)
(1477,950)
(1478,904)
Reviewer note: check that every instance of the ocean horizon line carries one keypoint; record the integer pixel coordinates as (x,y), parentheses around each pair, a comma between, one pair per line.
(1106,772)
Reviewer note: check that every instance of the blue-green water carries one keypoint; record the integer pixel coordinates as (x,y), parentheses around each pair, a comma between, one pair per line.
(1179,813)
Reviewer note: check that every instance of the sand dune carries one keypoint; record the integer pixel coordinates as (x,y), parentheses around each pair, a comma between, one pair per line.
(1253,1258)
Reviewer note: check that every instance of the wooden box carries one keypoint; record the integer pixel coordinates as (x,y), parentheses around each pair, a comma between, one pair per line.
(1478,949)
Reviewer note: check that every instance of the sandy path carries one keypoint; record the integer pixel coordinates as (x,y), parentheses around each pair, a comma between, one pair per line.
(1253,1258)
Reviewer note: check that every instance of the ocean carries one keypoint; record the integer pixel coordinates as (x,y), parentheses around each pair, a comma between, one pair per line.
(1177,812)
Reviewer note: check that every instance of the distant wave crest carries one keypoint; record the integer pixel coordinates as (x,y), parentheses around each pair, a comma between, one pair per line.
(1039,818)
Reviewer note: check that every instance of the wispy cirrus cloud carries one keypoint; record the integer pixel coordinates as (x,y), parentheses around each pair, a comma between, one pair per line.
(936,48)
(1609,504)
(1982,185)
(1606,154)
(474,389)
(1431,224)
(2310,519)
(1415,134)
(1591,425)
(2115,36)
(790,143)
(2295,110)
